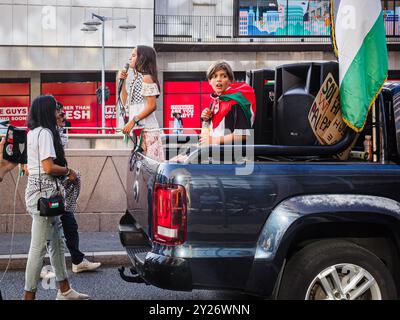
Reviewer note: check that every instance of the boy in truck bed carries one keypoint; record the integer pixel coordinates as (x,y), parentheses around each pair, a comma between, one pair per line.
(232,107)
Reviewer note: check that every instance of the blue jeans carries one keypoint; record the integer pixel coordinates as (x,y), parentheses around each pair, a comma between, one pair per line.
(71,236)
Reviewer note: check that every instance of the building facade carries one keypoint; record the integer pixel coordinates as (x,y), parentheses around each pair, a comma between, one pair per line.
(43,49)
(250,34)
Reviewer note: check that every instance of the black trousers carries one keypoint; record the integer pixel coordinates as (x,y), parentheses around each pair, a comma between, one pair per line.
(71,236)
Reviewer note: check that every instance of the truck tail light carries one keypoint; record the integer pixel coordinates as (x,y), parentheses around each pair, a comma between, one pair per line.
(169,214)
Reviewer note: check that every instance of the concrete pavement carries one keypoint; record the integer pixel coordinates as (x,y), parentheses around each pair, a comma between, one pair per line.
(101,247)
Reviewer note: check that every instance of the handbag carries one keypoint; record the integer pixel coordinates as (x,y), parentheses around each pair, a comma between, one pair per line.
(52,206)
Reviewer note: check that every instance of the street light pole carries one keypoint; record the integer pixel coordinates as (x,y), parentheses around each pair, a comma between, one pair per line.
(103,81)
(92,27)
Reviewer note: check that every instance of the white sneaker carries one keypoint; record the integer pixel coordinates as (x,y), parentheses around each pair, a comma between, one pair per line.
(85,265)
(71,294)
(47,272)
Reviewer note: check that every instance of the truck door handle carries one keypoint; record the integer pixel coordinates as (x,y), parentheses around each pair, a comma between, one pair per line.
(136,191)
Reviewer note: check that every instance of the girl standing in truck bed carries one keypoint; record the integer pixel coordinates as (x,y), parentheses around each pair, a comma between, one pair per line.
(139,98)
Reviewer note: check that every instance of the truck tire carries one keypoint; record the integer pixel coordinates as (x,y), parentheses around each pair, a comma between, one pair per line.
(336,270)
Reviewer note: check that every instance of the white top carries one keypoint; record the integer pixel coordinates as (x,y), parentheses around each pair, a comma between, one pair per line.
(137,91)
(46,149)
(150,122)
(149,90)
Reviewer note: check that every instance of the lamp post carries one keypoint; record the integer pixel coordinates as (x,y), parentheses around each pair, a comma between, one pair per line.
(91,26)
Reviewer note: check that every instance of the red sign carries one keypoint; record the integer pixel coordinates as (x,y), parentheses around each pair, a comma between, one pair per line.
(15,108)
(110,114)
(81,111)
(80,103)
(14,89)
(182,86)
(189,99)
(206,88)
(67,88)
(188,105)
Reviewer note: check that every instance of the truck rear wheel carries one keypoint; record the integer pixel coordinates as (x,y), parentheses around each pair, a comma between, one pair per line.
(336,270)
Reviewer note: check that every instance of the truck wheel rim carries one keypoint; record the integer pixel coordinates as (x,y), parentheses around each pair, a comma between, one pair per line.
(344,281)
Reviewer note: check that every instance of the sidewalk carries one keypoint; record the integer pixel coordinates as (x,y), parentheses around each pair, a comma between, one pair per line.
(103,247)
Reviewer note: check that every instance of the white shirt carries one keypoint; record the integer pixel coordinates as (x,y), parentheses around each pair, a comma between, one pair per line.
(137,92)
(46,149)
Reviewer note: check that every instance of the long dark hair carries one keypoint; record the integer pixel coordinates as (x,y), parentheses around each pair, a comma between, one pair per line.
(146,62)
(42,114)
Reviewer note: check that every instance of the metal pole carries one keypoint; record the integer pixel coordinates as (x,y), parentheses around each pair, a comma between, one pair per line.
(103,64)
(103,82)
(374,135)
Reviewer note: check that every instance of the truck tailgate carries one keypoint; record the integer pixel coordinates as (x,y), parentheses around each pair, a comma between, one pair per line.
(140,181)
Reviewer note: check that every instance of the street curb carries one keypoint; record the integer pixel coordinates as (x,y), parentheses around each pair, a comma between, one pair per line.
(107,258)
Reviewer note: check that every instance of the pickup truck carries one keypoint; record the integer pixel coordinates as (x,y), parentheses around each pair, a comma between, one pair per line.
(302,225)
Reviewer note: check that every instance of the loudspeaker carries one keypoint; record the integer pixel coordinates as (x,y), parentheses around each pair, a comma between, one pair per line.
(296,86)
(391,96)
(262,81)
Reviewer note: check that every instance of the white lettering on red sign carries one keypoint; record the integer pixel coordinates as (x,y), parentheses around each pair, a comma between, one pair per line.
(186,110)
(110,112)
(14,111)
(77,112)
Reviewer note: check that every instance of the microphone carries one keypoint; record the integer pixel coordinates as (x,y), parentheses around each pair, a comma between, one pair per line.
(119,102)
(121,81)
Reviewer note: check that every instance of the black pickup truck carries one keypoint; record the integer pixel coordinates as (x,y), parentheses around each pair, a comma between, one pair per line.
(302,225)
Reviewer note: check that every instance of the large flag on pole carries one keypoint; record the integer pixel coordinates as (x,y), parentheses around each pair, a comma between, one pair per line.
(359,39)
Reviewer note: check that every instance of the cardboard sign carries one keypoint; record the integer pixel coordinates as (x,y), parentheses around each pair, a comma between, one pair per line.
(325,116)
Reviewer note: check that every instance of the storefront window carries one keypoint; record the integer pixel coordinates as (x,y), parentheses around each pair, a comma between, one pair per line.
(81,105)
(187,94)
(15,101)
(186,98)
(391,10)
(284,18)
(301,18)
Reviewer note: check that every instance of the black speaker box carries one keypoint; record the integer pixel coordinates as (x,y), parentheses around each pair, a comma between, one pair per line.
(296,86)
(262,81)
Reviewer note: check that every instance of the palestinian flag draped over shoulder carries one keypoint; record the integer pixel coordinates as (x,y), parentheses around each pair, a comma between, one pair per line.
(238,93)
(359,39)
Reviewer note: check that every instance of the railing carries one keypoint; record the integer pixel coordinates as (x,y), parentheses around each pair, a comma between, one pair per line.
(222,29)
(193,28)
(111,131)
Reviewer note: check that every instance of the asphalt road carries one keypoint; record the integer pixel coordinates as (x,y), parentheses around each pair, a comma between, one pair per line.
(106,284)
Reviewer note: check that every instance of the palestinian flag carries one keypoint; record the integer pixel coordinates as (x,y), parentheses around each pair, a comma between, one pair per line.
(359,39)
(238,93)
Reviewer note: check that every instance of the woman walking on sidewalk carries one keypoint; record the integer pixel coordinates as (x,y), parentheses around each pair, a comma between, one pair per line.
(46,162)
